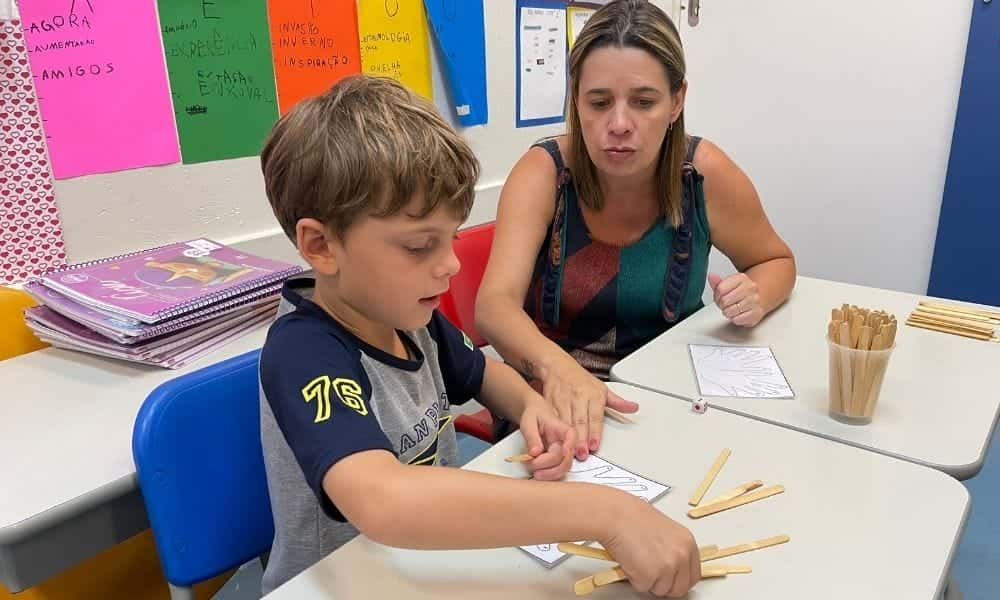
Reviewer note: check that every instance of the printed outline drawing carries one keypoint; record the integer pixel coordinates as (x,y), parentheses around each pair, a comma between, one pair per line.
(751,376)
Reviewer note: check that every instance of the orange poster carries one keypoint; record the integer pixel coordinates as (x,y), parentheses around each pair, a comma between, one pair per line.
(315,44)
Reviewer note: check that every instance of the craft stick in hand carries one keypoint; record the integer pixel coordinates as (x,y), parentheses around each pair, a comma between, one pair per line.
(749,547)
(602,554)
(519,458)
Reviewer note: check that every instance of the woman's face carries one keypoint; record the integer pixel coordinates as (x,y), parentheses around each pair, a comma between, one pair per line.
(625,107)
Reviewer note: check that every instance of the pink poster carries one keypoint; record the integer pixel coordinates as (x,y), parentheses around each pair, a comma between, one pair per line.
(30,233)
(102,84)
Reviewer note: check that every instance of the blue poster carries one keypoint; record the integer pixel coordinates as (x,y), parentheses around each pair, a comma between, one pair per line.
(461,36)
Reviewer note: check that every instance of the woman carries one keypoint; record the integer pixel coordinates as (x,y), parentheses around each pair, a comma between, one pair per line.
(603,235)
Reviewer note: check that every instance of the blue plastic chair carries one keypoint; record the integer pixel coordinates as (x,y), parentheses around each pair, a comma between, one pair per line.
(196,445)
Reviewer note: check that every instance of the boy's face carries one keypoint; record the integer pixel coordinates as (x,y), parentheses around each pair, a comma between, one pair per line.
(393,271)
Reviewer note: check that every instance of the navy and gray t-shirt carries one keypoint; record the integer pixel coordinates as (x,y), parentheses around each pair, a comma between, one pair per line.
(325,394)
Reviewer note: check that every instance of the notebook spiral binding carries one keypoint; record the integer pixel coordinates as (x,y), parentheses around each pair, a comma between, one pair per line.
(249,286)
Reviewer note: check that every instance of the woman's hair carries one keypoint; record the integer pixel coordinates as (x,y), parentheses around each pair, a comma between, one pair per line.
(629,24)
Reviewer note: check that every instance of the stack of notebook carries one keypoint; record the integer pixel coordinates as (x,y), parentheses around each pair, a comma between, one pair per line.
(167,306)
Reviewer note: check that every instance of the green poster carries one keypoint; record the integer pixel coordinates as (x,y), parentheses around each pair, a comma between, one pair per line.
(221,76)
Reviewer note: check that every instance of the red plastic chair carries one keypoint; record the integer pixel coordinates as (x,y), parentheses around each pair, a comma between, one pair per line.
(459,305)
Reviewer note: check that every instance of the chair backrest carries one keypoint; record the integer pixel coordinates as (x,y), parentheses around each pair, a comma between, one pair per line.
(459,305)
(197,451)
(17,338)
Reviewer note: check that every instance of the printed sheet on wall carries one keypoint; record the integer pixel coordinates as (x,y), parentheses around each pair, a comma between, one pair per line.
(541,62)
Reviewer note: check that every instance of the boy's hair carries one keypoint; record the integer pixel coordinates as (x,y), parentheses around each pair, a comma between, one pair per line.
(367,146)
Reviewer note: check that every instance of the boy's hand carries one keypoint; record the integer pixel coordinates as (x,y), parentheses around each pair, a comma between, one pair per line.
(658,554)
(550,441)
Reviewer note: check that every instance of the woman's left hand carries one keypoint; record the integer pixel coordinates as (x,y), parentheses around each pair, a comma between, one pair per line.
(738,298)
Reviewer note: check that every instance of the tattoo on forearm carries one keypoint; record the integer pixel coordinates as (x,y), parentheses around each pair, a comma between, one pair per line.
(528,368)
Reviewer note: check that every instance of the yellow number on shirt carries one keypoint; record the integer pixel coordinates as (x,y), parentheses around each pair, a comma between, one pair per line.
(349,393)
(319,390)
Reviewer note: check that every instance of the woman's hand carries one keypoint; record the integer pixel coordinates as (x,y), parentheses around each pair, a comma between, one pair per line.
(738,297)
(579,399)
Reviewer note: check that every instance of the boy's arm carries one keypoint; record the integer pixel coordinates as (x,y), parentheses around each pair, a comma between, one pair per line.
(505,392)
(445,508)
(429,507)
(549,440)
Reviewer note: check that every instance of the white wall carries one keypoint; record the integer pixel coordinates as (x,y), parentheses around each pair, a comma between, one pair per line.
(108,214)
(842,115)
(113,213)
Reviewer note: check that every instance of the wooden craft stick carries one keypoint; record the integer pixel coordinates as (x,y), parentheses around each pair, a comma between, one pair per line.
(835,393)
(846,372)
(951,328)
(961,308)
(711,509)
(519,458)
(602,554)
(960,315)
(699,493)
(609,576)
(581,550)
(737,491)
(614,415)
(616,574)
(876,369)
(963,321)
(748,547)
(954,331)
(973,330)
(584,586)
(954,323)
(859,394)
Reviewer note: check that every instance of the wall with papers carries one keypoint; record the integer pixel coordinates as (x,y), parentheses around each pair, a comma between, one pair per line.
(108,213)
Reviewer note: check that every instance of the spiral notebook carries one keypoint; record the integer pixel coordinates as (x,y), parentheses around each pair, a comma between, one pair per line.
(151,286)
(130,331)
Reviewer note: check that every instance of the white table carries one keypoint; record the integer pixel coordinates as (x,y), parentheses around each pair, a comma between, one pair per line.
(862,525)
(939,400)
(66,418)
(66,467)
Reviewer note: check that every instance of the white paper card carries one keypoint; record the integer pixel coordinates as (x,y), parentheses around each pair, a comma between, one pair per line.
(543,62)
(597,470)
(739,372)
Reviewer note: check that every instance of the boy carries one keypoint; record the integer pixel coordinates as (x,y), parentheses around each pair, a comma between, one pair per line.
(371,185)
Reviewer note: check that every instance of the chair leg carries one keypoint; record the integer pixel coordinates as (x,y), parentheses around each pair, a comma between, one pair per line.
(181,593)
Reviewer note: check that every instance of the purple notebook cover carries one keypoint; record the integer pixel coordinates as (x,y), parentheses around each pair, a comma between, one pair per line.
(128,331)
(161,283)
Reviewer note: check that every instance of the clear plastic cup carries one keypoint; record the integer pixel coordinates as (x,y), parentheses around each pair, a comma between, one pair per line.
(856,378)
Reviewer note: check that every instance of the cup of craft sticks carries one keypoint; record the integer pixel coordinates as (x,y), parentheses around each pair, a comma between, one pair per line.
(860,342)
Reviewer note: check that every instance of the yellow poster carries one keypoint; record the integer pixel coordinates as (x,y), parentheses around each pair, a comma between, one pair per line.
(394,42)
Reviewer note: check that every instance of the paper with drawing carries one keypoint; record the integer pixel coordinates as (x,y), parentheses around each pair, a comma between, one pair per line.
(739,371)
(597,470)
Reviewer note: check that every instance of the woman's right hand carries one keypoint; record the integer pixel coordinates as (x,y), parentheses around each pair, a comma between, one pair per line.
(579,399)
(658,554)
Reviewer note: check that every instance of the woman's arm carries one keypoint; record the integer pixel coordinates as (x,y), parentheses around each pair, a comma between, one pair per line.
(524,214)
(740,230)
